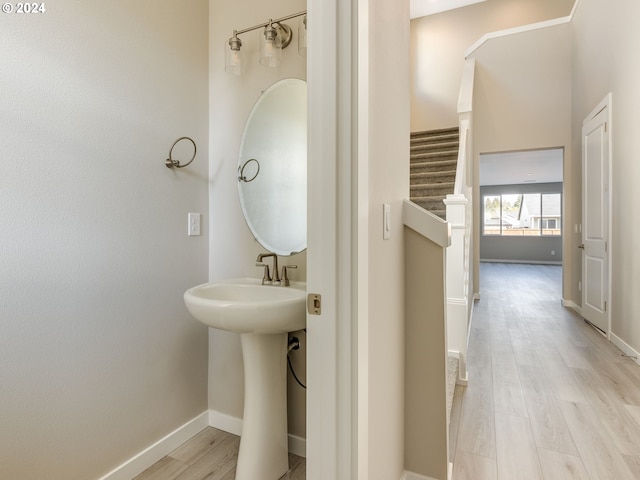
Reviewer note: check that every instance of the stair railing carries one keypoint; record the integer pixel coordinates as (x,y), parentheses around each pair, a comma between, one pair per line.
(459,216)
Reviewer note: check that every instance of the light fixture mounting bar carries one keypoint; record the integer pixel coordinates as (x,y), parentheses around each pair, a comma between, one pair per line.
(265,24)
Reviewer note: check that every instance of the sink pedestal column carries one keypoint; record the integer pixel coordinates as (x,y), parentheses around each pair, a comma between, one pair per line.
(264,451)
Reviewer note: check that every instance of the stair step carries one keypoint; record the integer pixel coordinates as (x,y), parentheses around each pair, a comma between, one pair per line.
(442,213)
(434,140)
(434,156)
(433,182)
(433,166)
(430,203)
(435,147)
(435,176)
(431,189)
(433,161)
(435,133)
(452,376)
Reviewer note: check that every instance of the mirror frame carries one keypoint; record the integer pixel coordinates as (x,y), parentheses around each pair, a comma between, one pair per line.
(271,146)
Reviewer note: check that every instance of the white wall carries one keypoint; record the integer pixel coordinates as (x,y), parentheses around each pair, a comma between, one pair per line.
(98,355)
(605,39)
(522,101)
(438,44)
(233,249)
(384,171)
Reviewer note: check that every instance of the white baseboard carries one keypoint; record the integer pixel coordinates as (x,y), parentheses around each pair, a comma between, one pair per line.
(463,377)
(625,347)
(150,455)
(572,305)
(522,262)
(298,446)
(406,475)
(227,423)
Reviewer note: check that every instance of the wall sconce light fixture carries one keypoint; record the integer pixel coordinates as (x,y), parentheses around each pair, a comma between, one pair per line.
(275,36)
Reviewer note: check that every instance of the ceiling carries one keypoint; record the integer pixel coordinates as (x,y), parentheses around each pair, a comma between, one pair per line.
(421,8)
(530,166)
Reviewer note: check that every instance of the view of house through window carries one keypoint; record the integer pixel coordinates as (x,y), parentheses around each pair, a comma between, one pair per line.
(528,214)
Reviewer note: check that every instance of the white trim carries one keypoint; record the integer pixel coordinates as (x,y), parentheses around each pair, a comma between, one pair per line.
(225,422)
(522,29)
(515,30)
(532,262)
(573,10)
(150,455)
(463,381)
(457,301)
(331,409)
(298,446)
(572,305)
(465,97)
(211,418)
(406,475)
(426,224)
(625,347)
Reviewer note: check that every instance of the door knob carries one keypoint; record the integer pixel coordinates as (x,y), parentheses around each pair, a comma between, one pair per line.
(581,246)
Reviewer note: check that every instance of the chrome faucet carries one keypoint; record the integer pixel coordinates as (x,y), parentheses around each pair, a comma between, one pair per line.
(266,279)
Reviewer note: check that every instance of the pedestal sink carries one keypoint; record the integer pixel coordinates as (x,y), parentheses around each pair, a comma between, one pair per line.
(262,315)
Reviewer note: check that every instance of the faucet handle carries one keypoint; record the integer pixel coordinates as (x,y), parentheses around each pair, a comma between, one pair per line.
(285,278)
(266,278)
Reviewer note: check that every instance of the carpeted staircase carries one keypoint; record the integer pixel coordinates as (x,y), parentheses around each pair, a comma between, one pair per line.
(452,376)
(434,156)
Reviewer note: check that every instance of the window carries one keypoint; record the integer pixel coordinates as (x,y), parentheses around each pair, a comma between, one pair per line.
(522,214)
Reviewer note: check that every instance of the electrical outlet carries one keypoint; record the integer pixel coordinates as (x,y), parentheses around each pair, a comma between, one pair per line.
(193,228)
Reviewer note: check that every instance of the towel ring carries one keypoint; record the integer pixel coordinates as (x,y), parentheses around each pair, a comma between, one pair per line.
(171,163)
(241,176)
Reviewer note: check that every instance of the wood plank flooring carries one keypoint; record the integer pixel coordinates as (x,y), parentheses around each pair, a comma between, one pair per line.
(548,396)
(210,455)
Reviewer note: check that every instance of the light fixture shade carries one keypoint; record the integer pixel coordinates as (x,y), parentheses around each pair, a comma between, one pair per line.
(270,47)
(232,56)
(302,36)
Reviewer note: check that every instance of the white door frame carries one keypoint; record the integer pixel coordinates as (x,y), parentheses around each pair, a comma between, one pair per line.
(605,103)
(331,366)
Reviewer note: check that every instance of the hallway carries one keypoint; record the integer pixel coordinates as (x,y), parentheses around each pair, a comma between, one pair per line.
(548,396)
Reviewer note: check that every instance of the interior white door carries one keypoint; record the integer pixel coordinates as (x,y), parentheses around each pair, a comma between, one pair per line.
(331,376)
(595,216)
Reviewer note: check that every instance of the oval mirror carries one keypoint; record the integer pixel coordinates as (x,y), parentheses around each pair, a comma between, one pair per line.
(272,168)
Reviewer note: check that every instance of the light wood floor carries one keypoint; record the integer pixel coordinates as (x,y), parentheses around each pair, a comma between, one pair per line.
(548,396)
(210,455)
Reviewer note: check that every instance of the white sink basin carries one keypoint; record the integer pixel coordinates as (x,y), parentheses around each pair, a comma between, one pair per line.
(244,305)
(262,315)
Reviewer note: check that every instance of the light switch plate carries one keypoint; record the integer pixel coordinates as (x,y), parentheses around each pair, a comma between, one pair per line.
(194,224)
(386,221)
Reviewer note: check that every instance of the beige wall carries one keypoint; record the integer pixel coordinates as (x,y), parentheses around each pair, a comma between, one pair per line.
(98,356)
(426,435)
(384,113)
(605,39)
(522,100)
(438,45)
(233,249)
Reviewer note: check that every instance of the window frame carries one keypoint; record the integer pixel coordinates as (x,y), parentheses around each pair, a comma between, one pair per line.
(541,220)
